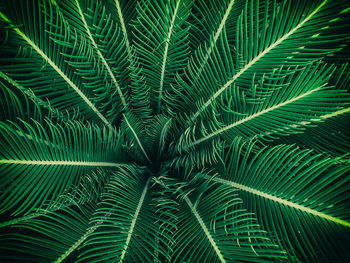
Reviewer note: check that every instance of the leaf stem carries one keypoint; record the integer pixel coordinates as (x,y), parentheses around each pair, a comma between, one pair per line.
(101,56)
(67,163)
(161,85)
(220,131)
(282,201)
(204,227)
(57,69)
(253,61)
(134,219)
(137,138)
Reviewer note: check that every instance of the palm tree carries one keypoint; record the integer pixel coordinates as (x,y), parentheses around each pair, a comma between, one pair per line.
(174,131)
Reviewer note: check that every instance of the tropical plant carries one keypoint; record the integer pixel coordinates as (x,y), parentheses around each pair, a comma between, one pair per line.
(174,131)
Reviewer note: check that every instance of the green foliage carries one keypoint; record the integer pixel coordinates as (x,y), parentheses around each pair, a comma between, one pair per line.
(174,131)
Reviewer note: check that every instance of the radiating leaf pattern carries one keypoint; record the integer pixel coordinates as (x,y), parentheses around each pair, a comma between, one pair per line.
(174,131)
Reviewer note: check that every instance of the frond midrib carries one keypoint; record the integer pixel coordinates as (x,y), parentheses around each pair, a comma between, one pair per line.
(62,163)
(281,201)
(125,33)
(304,123)
(253,61)
(33,215)
(137,138)
(228,127)
(114,80)
(133,221)
(204,228)
(167,42)
(212,44)
(57,69)
(80,241)
(31,95)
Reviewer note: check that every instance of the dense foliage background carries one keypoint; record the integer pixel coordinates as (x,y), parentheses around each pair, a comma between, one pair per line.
(174,131)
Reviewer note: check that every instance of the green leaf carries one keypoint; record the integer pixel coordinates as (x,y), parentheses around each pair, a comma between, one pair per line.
(210,217)
(281,111)
(46,164)
(166,50)
(43,240)
(293,191)
(99,42)
(43,55)
(126,213)
(259,46)
(174,131)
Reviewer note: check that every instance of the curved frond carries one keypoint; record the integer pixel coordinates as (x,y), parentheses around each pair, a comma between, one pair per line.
(293,191)
(161,44)
(17,104)
(89,190)
(261,48)
(124,15)
(281,111)
(330,136)
(35,172)
(44,55)
(209,18)
(211,218)
(91,22)
(125,213)
(174,131)
(44,234)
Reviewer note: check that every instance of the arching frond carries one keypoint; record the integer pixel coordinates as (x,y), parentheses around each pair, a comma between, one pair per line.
(123,11)
(68,223)
(44,55)
(211,218)
(89,191)
(293,191)
(259,43)
(46,165)
(99,55)
(126,211)
(161,44)
(174,131)
(209,18)
(13,96)
(282,110)
(16,104)
(330,136)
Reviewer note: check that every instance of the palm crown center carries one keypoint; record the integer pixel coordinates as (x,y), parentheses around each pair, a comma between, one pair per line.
(174,131)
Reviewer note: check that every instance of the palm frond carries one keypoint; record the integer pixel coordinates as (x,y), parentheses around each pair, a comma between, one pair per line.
(208,20)
(161,44)
(14,104)
(132,123)
(13,96)
(124,15)
(158,133)
(67,223)
(281,110)
(45,171)
(99,55)
(126,210)
(309,188)
(322,137)
(174,131)
(211,218)
(89,191)
(258,44)
(61,72)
